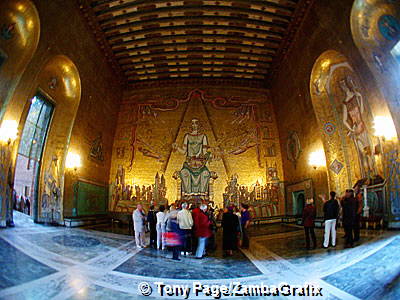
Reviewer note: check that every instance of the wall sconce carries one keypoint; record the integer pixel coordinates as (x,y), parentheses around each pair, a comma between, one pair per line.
(8,131)
(384,127)
(317,159)
(73,161)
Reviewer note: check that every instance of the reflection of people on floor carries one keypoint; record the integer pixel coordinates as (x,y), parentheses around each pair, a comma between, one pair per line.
(309,213)
(331,213)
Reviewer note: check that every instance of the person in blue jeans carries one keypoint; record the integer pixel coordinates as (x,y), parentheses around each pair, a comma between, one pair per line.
(202,230)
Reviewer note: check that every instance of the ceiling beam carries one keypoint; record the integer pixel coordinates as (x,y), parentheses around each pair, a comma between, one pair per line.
(231,46)
(166,61)
(204,74)
(170,29)
(162,69)
(268,42)
(276,27)
(208,8)
(283,5)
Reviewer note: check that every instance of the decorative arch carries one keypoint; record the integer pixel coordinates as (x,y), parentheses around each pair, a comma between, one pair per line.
(375,26)
(19,37)
(337,97)
(60,80)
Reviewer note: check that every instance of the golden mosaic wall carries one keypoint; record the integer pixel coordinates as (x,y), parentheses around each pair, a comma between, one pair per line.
(239,123)
(292,94)
(82,121)
(375,25)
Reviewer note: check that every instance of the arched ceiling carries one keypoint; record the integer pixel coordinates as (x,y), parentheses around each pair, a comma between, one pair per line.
(152,40)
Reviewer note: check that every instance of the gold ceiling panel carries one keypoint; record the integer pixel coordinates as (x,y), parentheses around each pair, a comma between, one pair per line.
(161,39)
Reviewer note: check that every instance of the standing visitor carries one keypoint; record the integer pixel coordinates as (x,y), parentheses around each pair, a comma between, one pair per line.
(195,209)
(202,230)
(185,222)
(231,230)
(174,234)
(309,213)
(161,227)
(360,206)
(152,221)
(349,210)
(139,222)
(331,213)
(245,223)
(211,242)
(171,212)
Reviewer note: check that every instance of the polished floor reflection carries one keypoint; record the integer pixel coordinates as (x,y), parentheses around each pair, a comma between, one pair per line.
(39,262)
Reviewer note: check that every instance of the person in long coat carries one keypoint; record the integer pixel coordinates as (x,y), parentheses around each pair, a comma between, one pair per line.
(309,214)
(152,221)
(349,210)
(139,221)
(202,230)
(231,229)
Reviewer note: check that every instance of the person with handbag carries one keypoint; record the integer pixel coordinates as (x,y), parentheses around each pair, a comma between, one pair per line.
(174,235)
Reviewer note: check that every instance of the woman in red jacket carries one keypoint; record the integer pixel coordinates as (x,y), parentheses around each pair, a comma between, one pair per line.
(309,214)
(202,230)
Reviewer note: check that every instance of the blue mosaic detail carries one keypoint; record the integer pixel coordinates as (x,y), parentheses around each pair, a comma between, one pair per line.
(378,273)
(76,241)
(18,268)
(148,261)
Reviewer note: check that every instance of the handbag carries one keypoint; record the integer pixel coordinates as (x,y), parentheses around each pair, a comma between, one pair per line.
(172,239)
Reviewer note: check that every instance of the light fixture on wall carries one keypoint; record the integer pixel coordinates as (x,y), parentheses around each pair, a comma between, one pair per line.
(8,131)
(384,128)
(317,159)
(73,161)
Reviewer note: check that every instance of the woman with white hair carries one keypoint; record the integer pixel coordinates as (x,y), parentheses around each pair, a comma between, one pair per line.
(185,222)
(202,230)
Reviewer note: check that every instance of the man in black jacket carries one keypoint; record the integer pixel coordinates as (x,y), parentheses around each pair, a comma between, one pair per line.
(349,206)
(152,221)
(331,213)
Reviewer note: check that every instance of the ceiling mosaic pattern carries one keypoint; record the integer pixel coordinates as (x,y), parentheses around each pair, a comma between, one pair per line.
(171,39)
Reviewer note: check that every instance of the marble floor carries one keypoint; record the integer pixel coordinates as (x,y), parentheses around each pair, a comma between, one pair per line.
(41,262)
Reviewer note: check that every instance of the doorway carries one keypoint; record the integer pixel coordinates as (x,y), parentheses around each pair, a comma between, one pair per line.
(28,162)
(299,200)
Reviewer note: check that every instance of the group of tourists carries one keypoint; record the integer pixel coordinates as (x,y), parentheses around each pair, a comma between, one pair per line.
(349,208)
(21,203)
(191,230)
